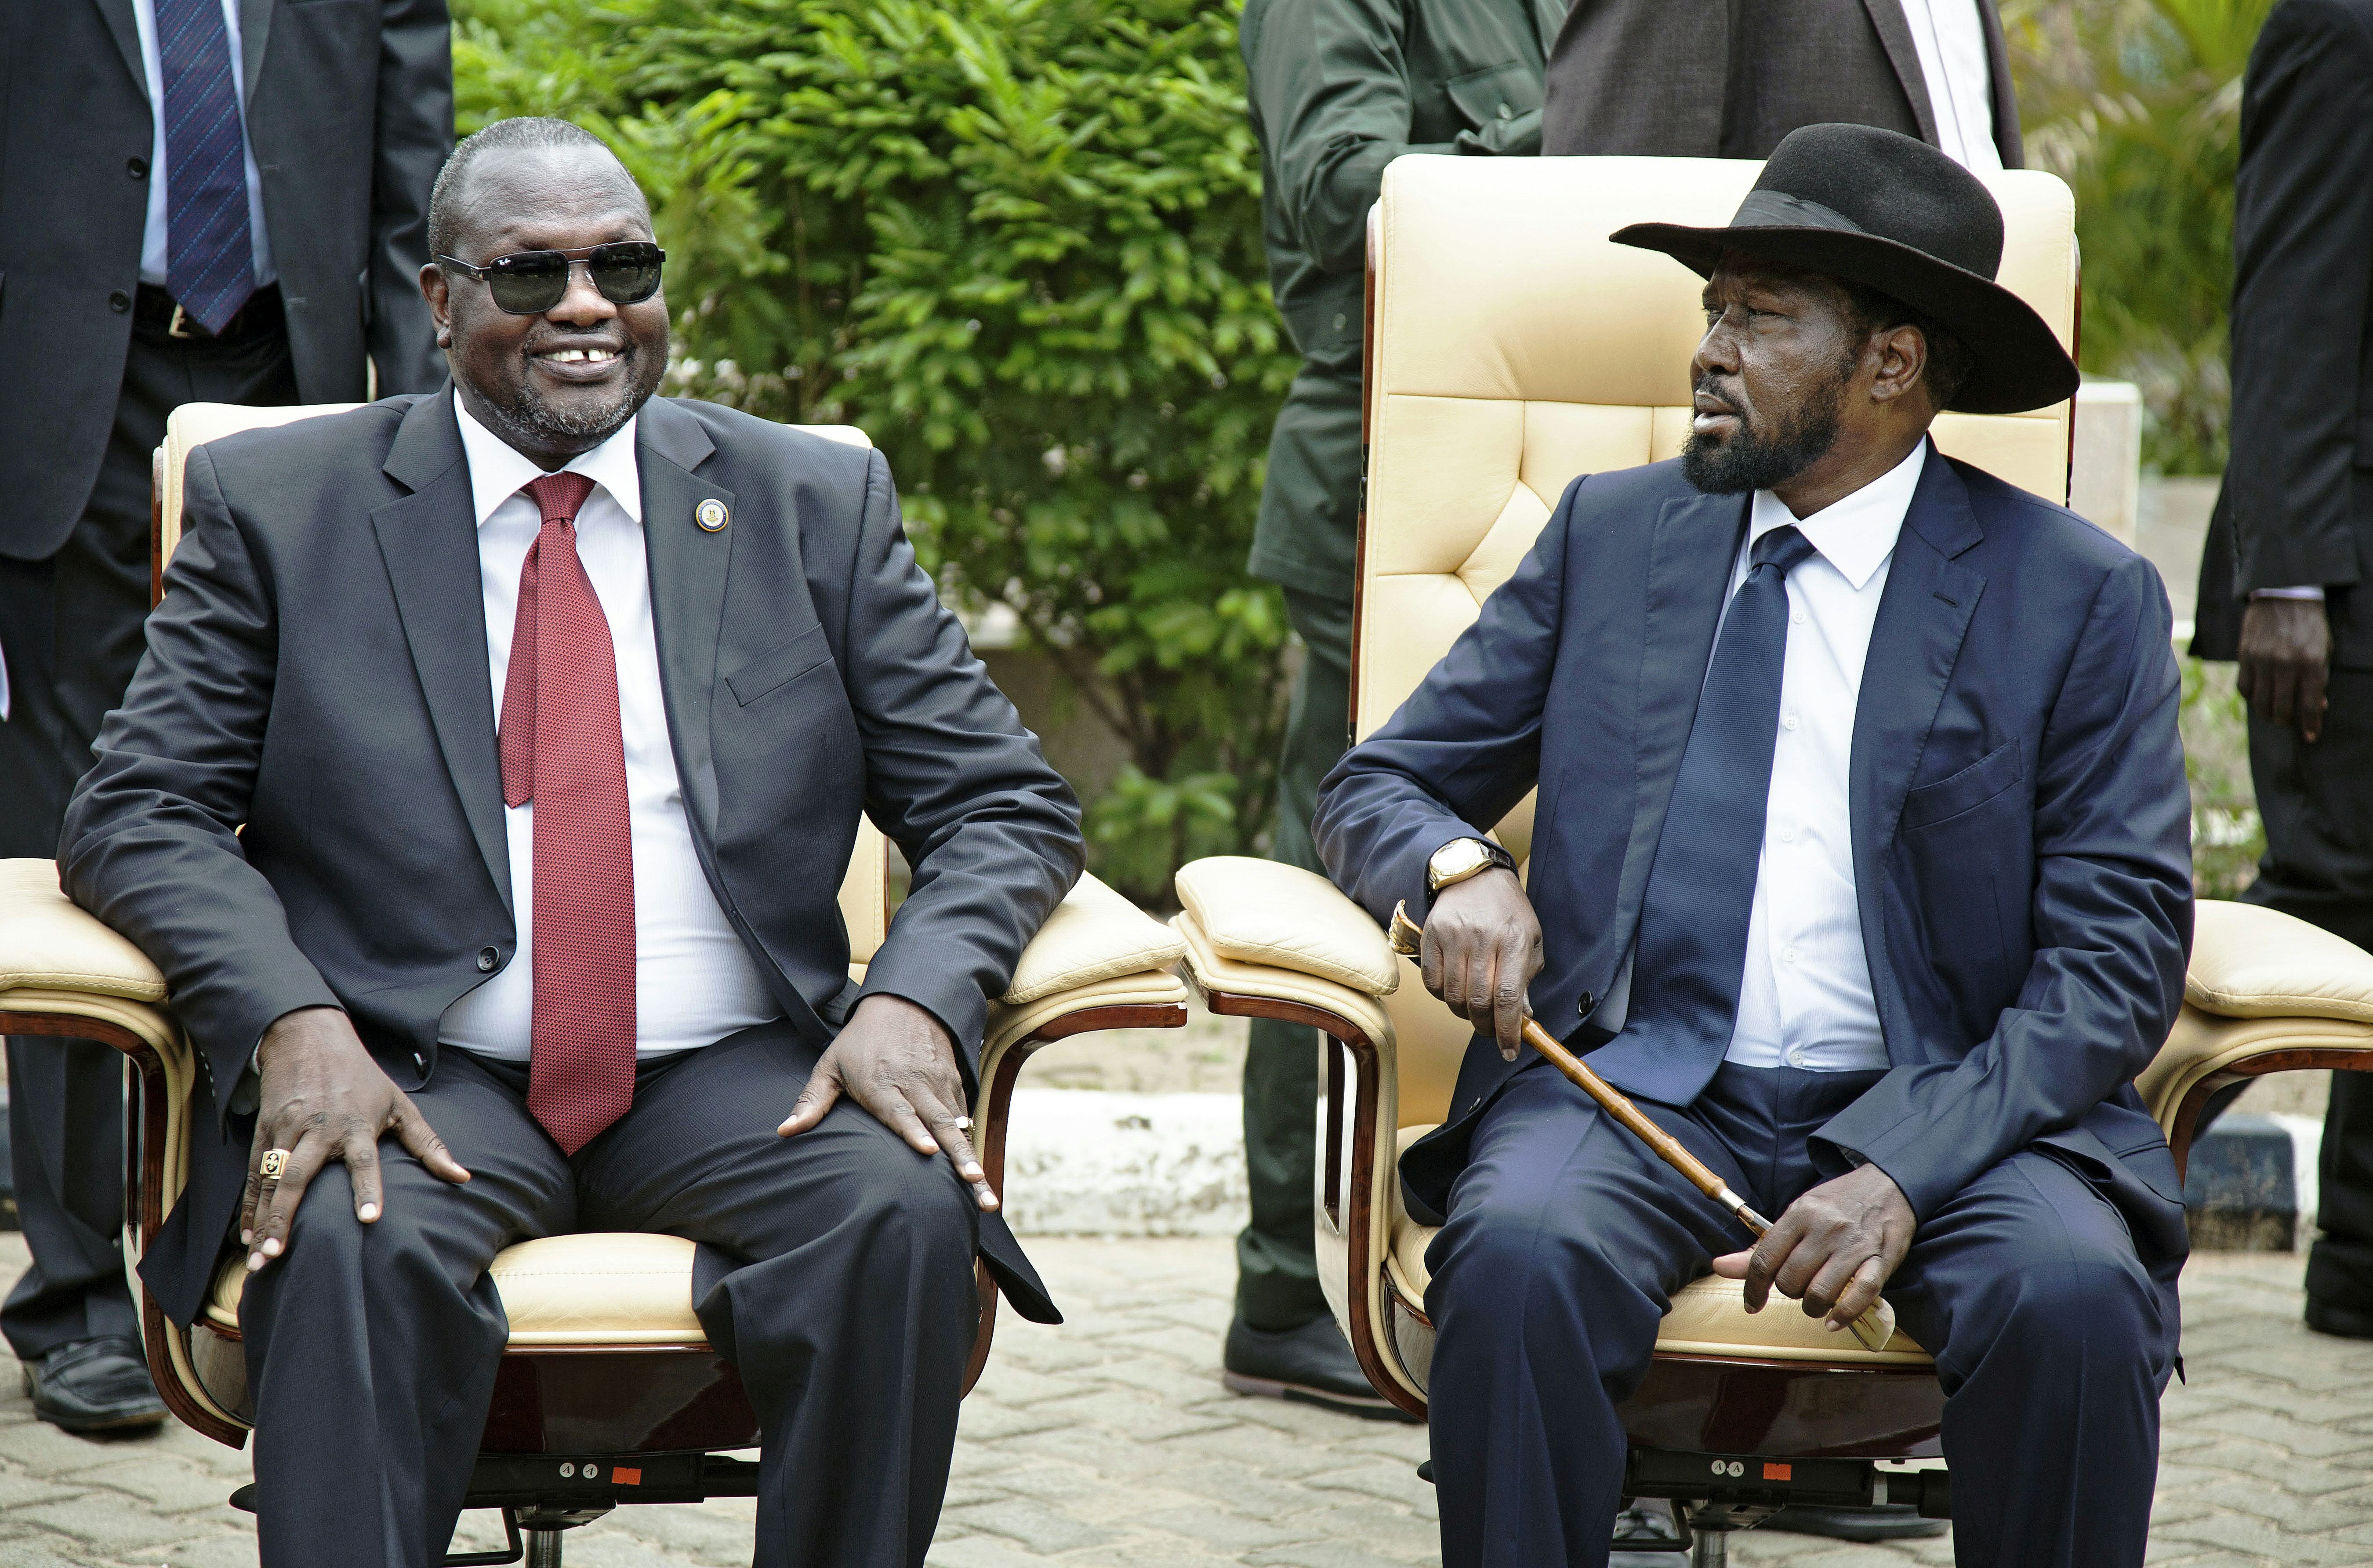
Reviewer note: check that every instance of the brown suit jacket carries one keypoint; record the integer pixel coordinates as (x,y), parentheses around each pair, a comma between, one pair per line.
(1728,78)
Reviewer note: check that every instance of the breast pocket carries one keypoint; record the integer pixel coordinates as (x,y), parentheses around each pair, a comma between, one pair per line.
(779,666)
(1964,792)
(1497,92)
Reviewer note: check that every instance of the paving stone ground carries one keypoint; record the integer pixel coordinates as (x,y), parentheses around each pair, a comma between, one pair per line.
(1109,1444)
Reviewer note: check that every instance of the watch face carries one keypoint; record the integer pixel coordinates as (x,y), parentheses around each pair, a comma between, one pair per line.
(1452,858)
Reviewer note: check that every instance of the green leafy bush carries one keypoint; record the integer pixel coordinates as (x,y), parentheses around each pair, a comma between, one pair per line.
(2137,104)
(1018,242)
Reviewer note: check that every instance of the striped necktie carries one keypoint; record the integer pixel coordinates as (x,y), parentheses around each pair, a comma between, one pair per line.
(210,254)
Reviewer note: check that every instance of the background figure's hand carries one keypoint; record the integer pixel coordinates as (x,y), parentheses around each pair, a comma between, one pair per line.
(1482,948)
(2286,660)
(893,1059)
(1835,1247)
(323,1098)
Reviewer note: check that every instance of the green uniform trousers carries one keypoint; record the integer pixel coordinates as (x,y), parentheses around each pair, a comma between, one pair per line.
(1276,1269)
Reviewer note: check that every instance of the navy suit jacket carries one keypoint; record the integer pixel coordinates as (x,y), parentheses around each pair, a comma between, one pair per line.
(2021,822)
(300,802)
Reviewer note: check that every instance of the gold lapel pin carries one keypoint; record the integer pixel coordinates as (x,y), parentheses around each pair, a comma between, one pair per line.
(711,515)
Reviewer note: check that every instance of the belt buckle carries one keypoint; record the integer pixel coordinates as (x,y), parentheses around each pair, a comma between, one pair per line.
(179,326)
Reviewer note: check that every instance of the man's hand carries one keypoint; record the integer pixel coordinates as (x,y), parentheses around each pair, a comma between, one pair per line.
(894,1059)
(1835,1247)
(323,1098)
(2285,659)
(1482,948)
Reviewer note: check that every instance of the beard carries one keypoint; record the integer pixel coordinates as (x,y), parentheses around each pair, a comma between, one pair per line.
(1759,456)
(520,412)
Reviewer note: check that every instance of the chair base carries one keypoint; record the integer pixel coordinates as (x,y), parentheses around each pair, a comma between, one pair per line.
(544,1495)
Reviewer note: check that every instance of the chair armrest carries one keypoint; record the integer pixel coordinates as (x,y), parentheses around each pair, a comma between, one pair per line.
(1231,986)
(2248,962)
(48,942)
(2263,989)
(1260,913)
(1094,935)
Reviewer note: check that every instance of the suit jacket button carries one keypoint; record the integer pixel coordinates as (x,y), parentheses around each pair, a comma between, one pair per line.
(119,301)
(1583,1006)
(136,168)
(487,959)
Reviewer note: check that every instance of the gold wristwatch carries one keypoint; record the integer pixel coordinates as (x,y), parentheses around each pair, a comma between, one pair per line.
(1463,858)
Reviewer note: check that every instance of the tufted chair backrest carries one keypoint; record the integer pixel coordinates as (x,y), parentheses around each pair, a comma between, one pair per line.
(864,891)
(1512,347)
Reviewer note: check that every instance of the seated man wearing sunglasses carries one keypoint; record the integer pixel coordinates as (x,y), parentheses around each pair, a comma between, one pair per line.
(548,710)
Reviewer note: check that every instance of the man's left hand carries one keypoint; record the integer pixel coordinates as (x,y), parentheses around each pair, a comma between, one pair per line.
(894,1059)
(1834,1248)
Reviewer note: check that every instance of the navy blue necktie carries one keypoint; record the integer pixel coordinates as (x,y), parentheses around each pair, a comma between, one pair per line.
(1693,946)
(210,256)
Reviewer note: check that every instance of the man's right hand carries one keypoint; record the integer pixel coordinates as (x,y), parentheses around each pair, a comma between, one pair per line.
(1482,948)
(323,1098)
(2286,662)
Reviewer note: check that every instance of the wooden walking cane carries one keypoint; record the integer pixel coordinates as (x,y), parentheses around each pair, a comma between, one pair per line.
(1874,1329)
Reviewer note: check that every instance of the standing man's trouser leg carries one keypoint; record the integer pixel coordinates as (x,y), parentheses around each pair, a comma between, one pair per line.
(1277,1271)
(2317,803)
(836,1270)
(70,628)
(1567,1237)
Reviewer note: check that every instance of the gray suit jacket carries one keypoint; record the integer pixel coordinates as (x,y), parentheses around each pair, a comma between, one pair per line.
(317,675)
(1729,78)
(350,109)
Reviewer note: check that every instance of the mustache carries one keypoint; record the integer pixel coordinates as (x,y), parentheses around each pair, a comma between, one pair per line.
(1717,388)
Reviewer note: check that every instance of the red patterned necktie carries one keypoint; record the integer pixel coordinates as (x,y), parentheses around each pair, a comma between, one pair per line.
(561,748)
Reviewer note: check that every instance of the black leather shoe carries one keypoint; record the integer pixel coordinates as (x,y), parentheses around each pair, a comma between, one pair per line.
(94,1386)
(2339,1322)
(1892,1521)
(1310,1365)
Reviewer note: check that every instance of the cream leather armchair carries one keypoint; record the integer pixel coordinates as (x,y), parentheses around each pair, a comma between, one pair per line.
(1511,347)
(607,1359)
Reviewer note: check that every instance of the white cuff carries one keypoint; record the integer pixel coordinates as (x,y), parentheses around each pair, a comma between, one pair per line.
(2314,593)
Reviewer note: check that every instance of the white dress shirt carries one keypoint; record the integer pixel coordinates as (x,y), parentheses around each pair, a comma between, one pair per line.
(155,243)
(695,983)
(1804,998)
(1950,39)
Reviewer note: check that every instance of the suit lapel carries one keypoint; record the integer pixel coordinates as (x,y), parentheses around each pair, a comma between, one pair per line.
(1895,33)
(1922,617)
(126,28)
(254,36)
(687,567)
(429,543)
(1689,562)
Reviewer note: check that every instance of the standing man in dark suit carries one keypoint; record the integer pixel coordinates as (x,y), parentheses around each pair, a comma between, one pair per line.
(1338,89)
(215,201)
(2291,542)
(1723,79)
(1891,905)
(549,710)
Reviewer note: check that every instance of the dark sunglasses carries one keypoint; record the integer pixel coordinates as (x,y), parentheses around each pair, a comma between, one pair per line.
(529,283)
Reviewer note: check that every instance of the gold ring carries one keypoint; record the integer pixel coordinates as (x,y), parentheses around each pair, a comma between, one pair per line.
(275,1162)
(963,1124)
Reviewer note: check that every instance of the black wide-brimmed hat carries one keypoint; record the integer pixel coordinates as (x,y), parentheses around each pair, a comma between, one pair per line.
(1895,215)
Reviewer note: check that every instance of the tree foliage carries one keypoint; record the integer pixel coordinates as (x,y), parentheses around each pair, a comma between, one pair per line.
(2137,104)
(1018,242)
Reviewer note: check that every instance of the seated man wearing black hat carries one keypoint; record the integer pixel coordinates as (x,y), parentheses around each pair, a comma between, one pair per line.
(1860,859)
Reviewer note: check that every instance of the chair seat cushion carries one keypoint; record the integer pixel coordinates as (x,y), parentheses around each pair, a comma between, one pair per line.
(1707,1316)
(599,1288)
